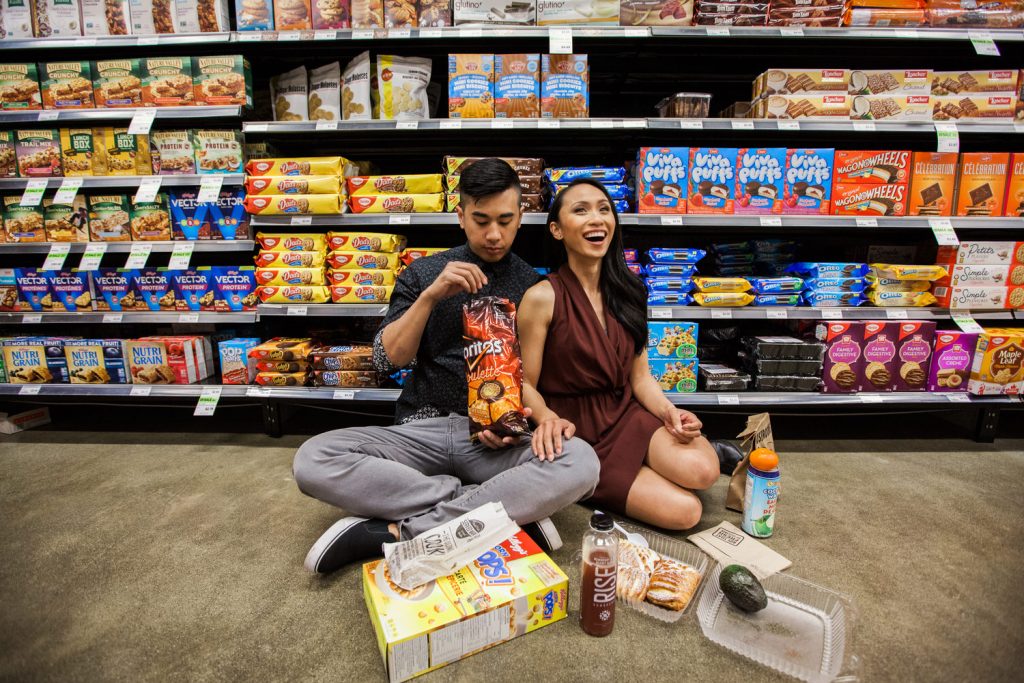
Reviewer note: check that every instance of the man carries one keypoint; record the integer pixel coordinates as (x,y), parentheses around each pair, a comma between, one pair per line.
(424,471)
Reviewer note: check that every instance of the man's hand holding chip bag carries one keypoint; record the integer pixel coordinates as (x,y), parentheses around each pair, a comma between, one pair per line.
(455,278)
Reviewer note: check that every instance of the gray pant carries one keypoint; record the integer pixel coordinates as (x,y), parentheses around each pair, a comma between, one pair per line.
(425,473)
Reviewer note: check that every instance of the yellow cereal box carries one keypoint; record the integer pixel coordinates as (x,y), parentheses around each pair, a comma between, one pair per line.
(998,363)
(79,152)
(509,591)
(124,153)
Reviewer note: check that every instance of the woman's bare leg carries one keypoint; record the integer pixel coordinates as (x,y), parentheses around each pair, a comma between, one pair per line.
(653,499)
(693,466)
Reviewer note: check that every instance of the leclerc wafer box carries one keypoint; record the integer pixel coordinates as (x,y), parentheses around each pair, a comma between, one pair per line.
(510,590)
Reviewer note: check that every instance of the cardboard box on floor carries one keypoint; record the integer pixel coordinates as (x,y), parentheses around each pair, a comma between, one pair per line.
(12,424)
(757,434)
(510,590)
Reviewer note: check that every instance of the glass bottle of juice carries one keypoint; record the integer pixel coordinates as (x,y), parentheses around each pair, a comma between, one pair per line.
(762,493)
(600,567)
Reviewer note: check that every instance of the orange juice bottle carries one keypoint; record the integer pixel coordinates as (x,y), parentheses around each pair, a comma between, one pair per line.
(762,493)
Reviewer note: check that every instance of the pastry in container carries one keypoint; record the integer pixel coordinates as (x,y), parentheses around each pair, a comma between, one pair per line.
(685,105)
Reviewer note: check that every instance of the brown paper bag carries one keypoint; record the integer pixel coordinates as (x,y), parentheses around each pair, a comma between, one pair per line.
(757,434)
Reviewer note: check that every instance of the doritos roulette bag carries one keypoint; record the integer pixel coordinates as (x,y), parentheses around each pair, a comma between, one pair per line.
(494,368)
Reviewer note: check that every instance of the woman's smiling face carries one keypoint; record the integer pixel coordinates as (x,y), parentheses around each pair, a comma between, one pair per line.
(586,222)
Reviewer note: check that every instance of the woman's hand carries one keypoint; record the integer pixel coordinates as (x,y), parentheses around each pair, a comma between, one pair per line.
(548,437)
(681,424)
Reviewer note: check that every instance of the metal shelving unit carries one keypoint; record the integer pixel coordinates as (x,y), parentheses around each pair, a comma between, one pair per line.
(806,313)
(116,318)
(444,124)
(810,398)
(110,42)
(323,310)
(121,181)
(126,247)
(97,115)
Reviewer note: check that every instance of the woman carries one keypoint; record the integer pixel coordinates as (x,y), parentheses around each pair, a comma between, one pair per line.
(583,334)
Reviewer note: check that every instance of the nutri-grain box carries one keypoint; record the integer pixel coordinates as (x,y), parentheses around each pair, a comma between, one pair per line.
(759,180)
(19,87)
(565,87)
(222,80)
(932,184)
(96,361)
(167,81)
(807,188)
(117,83)
(844,362)
(952,356)
(517,86)
(982,183)
(67,85)
(712,188)
(661,179)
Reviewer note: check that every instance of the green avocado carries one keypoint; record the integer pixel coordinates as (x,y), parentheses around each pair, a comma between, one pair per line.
(742,588)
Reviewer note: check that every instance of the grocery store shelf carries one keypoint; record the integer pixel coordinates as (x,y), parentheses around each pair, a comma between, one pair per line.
(355,219)
(194,390)
(98,182)
(443,124)
(126,247)
(106,42)
(175,113)
(323,310)
(835,125)
(93,317)
(807,313)
(811,398)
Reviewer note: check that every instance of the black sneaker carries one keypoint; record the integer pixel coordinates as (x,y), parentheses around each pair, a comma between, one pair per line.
(349,540)
(729,456)
(544,534)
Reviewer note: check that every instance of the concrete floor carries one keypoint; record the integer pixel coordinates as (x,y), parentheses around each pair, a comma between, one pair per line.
(125,561)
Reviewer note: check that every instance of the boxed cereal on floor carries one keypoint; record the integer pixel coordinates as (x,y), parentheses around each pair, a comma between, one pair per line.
(19,87)
(998,366)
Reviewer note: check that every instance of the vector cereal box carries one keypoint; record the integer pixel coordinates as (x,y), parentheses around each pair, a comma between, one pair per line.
(759,174)
(711,187)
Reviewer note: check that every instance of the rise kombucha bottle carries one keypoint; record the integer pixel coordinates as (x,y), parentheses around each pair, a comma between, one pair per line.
(600,565)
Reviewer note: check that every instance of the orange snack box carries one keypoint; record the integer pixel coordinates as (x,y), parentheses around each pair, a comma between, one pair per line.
(1014,204)
(982,184)
(932,184)
(869,200)
(871,167)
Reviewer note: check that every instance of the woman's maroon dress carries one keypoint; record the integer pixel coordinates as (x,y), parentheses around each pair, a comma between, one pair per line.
(585,379)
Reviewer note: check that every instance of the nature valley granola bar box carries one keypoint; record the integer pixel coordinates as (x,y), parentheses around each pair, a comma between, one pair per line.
(67,85)
(19,87)
(66,222)
(218,151)
(124,153)
(509,591)
(17,18)
(22,223)
(117,83)
(79,153)
(173,152)
(38,153)
(106,18)
(109,218)
(167,81)
(222,80)
(8,156)
(151,221)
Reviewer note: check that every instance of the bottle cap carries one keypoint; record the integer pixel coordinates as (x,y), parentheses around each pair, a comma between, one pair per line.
(601,522)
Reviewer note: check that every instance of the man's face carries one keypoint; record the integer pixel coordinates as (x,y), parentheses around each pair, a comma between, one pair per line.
(491,224)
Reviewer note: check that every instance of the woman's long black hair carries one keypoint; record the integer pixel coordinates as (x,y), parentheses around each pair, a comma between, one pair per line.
(623,292)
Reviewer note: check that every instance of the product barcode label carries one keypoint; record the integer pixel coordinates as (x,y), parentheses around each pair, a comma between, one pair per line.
(896,313)
(431,33)
(48,115)
(31,318)
(966,322)
(864,126)
(400,33)
(958,398)
(777,313)
(548,123)
(407,125)
(188,318)
(983,43)
(57,256)
(870,398)
(602,123)
(948,137)
(257,391)
(297,310)
(771,221)
(502,124)
(68,189)
(451,124)
(327,125)
(362,34)
(742,124)
(942,228)
(207,402)
(324,35)
(691,124)
(832,313)
(113,317)
(789,125)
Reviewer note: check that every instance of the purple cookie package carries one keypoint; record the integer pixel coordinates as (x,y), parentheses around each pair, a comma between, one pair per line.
(913,354)
(951,360)
(843,359)
(878,370)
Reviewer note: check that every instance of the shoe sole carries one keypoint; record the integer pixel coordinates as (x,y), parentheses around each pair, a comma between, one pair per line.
(328,539)
(547,527)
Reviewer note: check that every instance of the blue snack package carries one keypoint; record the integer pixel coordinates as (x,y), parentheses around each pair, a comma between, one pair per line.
(621,206)
(829,269)
(675,255)
(34,288)
(776,285)
(156,289)
(826,299)
(235,288)
(679,285)
(668,299)
(732,248)
(836,284)
(605,174)
(114,290)
(676,374)
(670,269)
(70,290)
(616,192)
(194,289)
(776,300)
(672,339)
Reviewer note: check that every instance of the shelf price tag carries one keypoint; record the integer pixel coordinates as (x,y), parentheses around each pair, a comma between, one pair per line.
(470,33)
(789,125)
(407,125)
(148,189)
(896,313)
(771,221)
(33,195)
(113,317)
(906,33)
(324,35)
(249,36)
(718,31)
(958,397)
(362,34)
(602,123)
(560,41)
(451,124)
(797,31)
(864,126)
(944,233)
(141,390)
(867,222)
(31,319)
(344,394)
(742,124)
(776,313)
(431,33)
(288,36)
(181,256)
(635,32)
(209,189)
(256,391)
(983,43)
(57,256)
(142,121)
(721,314)
(326,125)
(966,322)
(400,33)
(549,124)
(302,220)
(502,124)
(94,252)
(661,313)
(671,220)
(207,402)
(832,313)
(68,189)
(48,115)
(691,124)
(188,318)
(297,310)
(30,389)
(949,137)
(138,256)
(399,219)
(728,400)
(870,398)
(634,123)
(256,127)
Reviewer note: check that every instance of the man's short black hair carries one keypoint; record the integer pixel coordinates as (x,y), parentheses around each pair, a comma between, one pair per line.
(487,177)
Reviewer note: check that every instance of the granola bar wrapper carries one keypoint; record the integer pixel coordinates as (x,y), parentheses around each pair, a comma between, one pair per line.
(494,368)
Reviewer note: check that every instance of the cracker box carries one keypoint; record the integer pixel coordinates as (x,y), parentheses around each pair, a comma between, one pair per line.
(194,289)
(173,152)
(222,80)
(914,342)
(113,289)
(869,200)
(67,85)
(871,167)
(807,188)
(57,18)
(1014,204)
(19,87)
(677,375)
(34,289)
(952,357)
(589,12)
(998,366)
(66,222)
(672,340)
(661,179)
(156,289)
(565,87)
(490,12)
(292,15)
(759,174)
(35,361)
(96,361)
(843,363)
(106,18)
(932,184)
(151,221)
(124,153)
(23,223)
(878,368)
(117,83)
(517,86)
(38,153)
(8,155)
(254,15)
(235,365)
(109,218)
(17,18)
(979,253)
(167,81)
(235,288)
(79,155)
(470,86)
(509,591)
(218,151)
(982,183)
(711,187)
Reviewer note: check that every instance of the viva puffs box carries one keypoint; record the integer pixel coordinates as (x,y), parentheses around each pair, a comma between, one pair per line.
(1014,205)
(807,188)
(711,188)
(759,175)
(982,185)
(509,591)
(932,184)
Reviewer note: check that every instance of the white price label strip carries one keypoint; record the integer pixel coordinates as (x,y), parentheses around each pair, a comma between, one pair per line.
(257,391)
(661,313)
(48,115)
(141,390)
(362,34)
(691,124)
(870,398)
(256,127)
(146,41)
(868,222)
(30,389)
(209,189)
(431,33)
(149,187)
(470,33)
(721,31)
(548,124)
(94,252)
(602,123)
(983,43)
(288,36)
(33,195)
(742,124)
(207,402)
(68,189)
(502,124)
(832,314)
(188,318)
(797,31)
(407,125)
(344,395)
(771,222)
(400,33)
(966,322)
(671,220)
(326,125)
(777,314)
(728,400)
(721,314)
(635,32)
(138,256)
(302,220)
(958,398)
(560,41)
(634,123)
(399,219)
(324,35)
(113,317)
(948,136)
(864,126)
(896,313)
(906,33)
(57,256)
(451,124)
(142,122)
(31,319)
(297,310)
(944,233)
(181,256)
(789,125)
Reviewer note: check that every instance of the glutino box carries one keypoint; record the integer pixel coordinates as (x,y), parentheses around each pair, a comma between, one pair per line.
(509,591)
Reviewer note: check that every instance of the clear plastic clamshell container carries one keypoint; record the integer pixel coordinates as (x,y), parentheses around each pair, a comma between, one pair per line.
(805,631)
